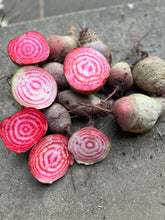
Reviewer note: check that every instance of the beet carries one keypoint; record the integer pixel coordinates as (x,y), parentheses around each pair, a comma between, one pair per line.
(49,159)
(57,71)
(86,70)
(29,48)
(149,75)
(33,86)
(58,118)
(88,38)
(23,129)
(137,113)
(120,78)
(78,103)
(60,46)
(89,145)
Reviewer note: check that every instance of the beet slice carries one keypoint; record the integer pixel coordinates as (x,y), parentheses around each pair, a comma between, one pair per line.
(86,70)
(89,145)
(23,129)
(33,86)
(28,48)
(50,159)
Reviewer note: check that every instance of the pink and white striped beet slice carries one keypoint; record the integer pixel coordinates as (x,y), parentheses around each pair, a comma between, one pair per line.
(33,86)
(89,145)
(23,129)
(50,159)
(86,70)
(28,48)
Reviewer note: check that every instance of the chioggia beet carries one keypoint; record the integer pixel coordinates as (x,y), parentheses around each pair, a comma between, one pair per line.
(60,46)
(50,159)
(88,38)
(29,48)
(89,145)
(23,129)
(137,113)
(32,86)
(58,118)
(149,75)
(120,78)
(86,70)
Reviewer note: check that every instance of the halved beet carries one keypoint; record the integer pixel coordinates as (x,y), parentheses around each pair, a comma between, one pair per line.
(86,70)
(50,159)
(89,145)
(23,129)
(33,86)
(28,48)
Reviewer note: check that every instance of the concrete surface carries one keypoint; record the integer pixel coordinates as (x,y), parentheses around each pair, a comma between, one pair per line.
(130,183)
(23,10)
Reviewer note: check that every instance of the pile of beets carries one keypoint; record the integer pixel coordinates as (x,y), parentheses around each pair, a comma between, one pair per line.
(62,76)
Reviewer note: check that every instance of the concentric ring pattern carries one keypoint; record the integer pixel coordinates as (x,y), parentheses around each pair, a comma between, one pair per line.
(33,87)
(49,160)
(89,145)
(86,69)
(28,48)
(22,130)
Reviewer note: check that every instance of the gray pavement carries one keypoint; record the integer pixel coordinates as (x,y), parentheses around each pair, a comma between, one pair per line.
(23,10)
(130,183)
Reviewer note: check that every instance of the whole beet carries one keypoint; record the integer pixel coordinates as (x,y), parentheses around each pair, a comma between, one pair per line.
(58,119)
(57,71)
(78,103)
(149,75)
(88,38)
(60,46)
(137,113)
(120,78)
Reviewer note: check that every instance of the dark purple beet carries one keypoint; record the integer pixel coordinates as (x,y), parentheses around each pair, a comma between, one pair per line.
(56,70)
(58,118)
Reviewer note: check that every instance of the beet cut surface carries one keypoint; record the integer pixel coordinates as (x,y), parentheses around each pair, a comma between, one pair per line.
(89,145)
(50,159)
(86,70)
(28,48)
(23,129)
(33,86)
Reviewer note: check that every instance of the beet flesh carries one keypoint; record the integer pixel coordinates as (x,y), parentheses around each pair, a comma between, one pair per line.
(86,70)
(50,159)
(33,86)
(89,145)
(23,129)
(29,48)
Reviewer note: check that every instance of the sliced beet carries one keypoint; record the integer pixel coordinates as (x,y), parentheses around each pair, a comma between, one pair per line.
(89,145)
(86,70)
(50,159)
(23,129)
(28,48)
(33,86)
